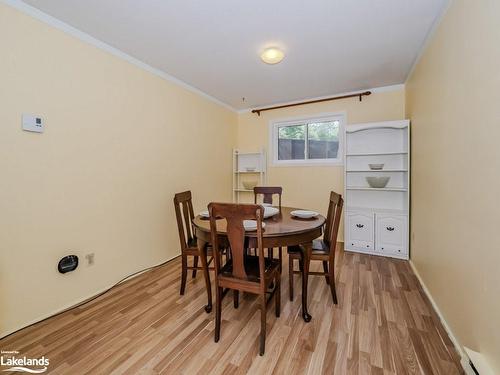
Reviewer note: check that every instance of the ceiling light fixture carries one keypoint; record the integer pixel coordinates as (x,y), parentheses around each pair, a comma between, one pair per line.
(272,55)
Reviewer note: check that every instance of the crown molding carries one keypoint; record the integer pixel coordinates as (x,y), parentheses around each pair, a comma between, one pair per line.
(374,90)
(68,29)
(398,87)
(428,38)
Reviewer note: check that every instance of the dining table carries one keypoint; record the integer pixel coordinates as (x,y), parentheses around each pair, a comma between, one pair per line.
(280,230)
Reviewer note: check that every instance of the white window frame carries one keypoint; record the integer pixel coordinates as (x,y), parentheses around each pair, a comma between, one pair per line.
(273,140)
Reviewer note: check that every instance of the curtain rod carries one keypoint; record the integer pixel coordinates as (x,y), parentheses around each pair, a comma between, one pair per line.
(357,95)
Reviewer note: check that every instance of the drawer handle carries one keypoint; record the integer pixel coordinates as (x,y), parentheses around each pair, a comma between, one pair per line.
(390,229)
(360,225)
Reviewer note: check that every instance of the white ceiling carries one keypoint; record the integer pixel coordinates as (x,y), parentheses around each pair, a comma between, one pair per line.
(331,46)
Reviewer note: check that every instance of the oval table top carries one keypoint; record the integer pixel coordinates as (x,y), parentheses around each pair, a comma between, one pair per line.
(281,224)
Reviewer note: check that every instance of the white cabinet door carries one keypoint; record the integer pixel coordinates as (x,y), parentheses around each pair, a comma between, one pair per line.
(391,234)
(360,231)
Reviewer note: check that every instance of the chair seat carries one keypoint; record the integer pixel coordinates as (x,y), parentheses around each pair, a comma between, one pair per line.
(319,247)
(252,268)
(193,244)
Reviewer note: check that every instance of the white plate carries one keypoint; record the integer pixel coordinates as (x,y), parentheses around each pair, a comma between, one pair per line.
(251,225)
(304,214)
(204,213)
(270,211)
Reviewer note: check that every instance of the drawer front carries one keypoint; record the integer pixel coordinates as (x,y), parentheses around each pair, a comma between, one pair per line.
(360,230)
(392,234)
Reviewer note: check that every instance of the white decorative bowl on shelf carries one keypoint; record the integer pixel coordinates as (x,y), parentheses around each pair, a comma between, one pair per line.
(377,182)
(249,184)
(376,167)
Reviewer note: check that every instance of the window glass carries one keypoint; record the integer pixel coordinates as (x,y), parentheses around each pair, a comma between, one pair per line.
(291,142)
(310,141)
(323,140)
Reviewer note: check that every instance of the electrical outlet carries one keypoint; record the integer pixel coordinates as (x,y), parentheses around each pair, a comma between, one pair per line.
(90,259)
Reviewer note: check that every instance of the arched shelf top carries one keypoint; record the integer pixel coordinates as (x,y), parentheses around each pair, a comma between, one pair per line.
(378,125)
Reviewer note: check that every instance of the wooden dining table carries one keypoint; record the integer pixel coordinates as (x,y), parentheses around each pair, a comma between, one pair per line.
(281,230)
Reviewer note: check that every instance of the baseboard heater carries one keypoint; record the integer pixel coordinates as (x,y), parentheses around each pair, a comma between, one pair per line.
(477,363)
(473,367)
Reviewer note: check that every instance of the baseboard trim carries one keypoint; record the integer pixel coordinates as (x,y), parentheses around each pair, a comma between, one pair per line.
(80,301)
(464,359)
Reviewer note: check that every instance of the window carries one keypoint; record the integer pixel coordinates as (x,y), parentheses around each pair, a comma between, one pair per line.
(308,141)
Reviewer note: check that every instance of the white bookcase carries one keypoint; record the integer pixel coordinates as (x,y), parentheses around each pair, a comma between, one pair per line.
(247,166)
(376,219)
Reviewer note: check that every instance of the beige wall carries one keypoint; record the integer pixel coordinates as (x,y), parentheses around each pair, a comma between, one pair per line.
(452,100)
(309,187)
(119,142)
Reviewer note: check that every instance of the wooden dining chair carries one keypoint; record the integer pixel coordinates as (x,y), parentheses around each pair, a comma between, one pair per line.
(189,248)
(267,193)
(243,272)
(322,249)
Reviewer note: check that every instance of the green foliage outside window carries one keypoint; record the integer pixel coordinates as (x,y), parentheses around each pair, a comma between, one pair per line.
(292,132)
(322,131)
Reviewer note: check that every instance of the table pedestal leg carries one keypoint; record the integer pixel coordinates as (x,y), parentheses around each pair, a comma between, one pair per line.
(202,249)
(306,256)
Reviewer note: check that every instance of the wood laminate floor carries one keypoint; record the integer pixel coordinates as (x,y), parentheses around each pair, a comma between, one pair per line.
(383,324)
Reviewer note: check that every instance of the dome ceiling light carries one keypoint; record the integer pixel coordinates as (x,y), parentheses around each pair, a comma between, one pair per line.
(272,55)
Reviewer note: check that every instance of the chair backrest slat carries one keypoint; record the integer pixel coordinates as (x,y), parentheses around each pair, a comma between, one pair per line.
(332,223)
(236,237)
(267,193)
(234,214)
(187,219)
(184,214)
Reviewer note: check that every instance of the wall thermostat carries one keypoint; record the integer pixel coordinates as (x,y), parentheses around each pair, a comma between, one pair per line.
(33,123)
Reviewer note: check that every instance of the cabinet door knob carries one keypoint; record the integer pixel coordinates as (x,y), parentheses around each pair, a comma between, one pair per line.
(360,225)
(390,229)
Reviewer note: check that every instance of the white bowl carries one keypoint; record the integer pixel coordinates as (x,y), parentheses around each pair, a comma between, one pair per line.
(376,167)
(377,182)
(304,214)
(249,184)
(251,225)
(270,211)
